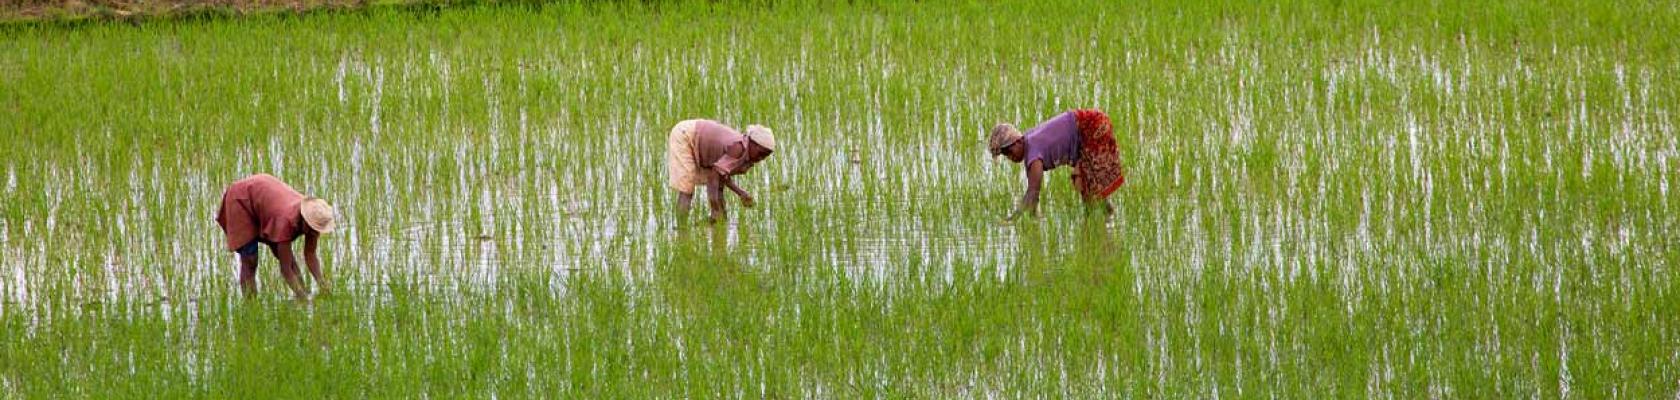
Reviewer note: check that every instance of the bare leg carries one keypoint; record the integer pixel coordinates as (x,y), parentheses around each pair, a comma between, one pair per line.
(1107,209)
(685,202)
(714,196)
(248,274)
(1099,204)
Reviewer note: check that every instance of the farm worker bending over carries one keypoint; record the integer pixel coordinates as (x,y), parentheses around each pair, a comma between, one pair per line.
(262,209)
(1082,138)
(705,152)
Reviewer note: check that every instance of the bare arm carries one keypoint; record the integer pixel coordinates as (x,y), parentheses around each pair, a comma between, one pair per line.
(746,199)
(288,267)
(1035,180)
(314,262)
(735,162)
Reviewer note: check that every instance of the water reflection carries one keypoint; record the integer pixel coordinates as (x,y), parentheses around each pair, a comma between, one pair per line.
(1266,187)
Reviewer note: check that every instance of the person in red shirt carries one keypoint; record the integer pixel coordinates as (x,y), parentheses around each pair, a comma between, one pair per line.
(705,152)
(261,209)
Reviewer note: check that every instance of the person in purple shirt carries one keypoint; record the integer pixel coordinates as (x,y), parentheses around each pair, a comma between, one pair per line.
(1082,139)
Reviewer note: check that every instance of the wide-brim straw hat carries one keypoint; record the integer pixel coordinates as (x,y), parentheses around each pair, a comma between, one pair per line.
(318,214)
(761,135)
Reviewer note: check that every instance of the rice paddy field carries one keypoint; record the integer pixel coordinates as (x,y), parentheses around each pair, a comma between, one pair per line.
(1326,199)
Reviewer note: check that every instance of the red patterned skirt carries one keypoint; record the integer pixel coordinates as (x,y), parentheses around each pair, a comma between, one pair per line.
(1099,172)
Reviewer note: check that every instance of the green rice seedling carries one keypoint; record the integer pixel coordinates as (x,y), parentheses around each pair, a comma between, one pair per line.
(1324,199)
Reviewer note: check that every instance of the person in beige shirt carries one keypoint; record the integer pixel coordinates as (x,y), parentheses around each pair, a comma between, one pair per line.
(705,152)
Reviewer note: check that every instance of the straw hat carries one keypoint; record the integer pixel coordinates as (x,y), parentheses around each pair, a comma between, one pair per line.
(761,135)
(1003,135)
(318,214)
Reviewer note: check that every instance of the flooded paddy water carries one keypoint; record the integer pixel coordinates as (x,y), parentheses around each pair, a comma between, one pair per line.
(1341,203)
